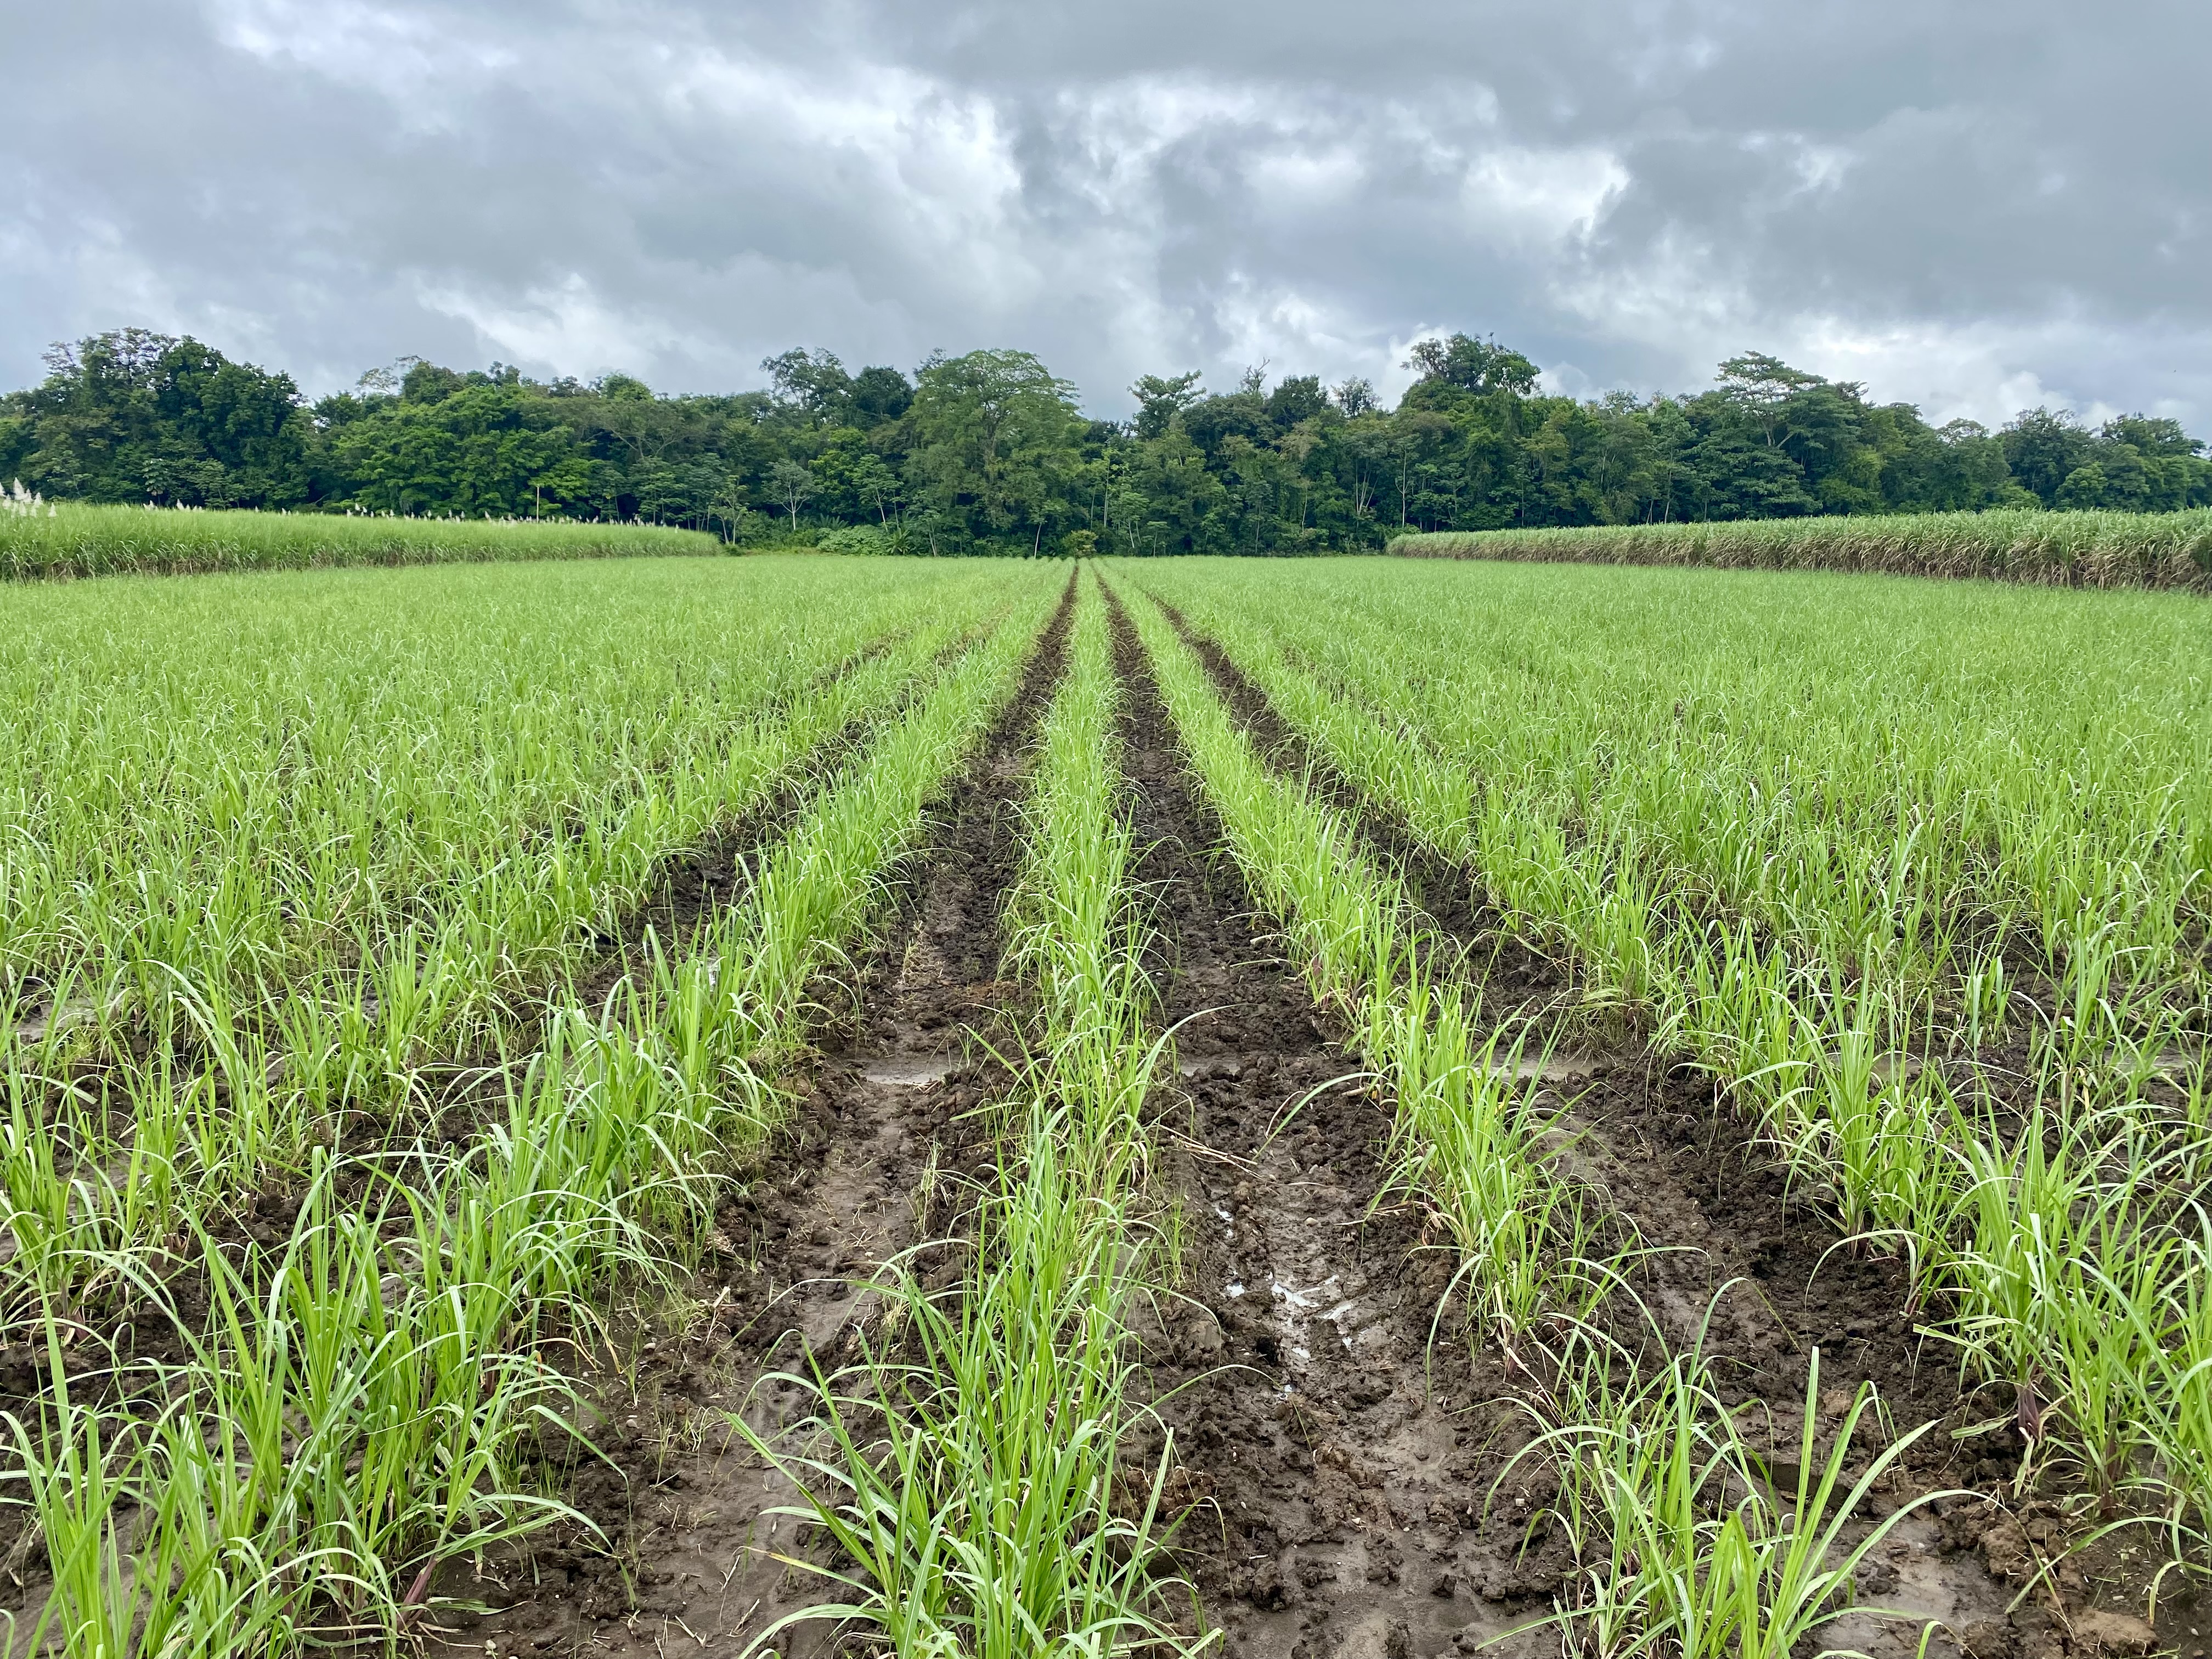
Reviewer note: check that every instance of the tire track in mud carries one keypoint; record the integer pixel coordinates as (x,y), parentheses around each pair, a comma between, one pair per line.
(1611,1089)
(867,1169)
(1334,1462)
(1657,1140)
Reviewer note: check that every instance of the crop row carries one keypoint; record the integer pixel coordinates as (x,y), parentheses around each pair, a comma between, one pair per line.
(2070,549)
(77,540)
(1986,812)
(970,1460)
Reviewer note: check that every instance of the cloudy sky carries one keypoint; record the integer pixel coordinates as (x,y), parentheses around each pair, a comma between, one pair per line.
(1972,206)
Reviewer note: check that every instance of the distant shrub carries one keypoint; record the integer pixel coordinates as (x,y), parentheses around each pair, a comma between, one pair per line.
(854,538)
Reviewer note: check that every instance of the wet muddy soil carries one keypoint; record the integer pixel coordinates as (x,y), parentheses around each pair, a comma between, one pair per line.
(1338,1456)
(872,1165)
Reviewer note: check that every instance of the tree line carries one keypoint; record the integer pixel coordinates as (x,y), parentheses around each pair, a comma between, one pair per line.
(990,452)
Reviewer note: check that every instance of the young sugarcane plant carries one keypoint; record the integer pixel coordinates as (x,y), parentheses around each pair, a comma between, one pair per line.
(1689,1542)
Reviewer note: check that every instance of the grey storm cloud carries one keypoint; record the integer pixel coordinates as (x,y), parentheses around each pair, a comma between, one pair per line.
(1975,208)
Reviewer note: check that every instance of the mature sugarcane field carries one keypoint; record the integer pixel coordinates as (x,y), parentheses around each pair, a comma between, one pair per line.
(1365,1106)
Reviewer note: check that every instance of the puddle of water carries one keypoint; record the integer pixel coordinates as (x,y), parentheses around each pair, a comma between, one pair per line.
(910,1071)
(1304,1301)
(1299,1310)
(1558,1069)
(32,1028)
(1190,1069)
(1336,1316)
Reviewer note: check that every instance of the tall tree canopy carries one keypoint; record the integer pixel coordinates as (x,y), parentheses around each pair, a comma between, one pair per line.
(990,453)
(137,417)
(993,447)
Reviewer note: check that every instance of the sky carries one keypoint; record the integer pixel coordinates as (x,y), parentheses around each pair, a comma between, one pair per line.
(1972,207)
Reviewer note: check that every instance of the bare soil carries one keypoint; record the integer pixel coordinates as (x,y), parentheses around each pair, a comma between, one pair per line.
(1336,1456)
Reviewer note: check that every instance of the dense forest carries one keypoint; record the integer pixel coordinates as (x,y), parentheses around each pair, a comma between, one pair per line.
(990,452)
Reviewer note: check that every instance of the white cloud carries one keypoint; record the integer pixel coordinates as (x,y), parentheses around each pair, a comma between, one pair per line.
(564,323)
(418,62)
(1626,192)
(1543,196)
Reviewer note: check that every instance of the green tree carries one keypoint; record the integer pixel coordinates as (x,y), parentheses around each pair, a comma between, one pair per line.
(1355,396)
(1762,387)
(811,383)
(486,448)
(995,441)
(133,415)
(1160,400)
(2043,447)
(2086,486)
(1478,367)
(879,395)
(793,485)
